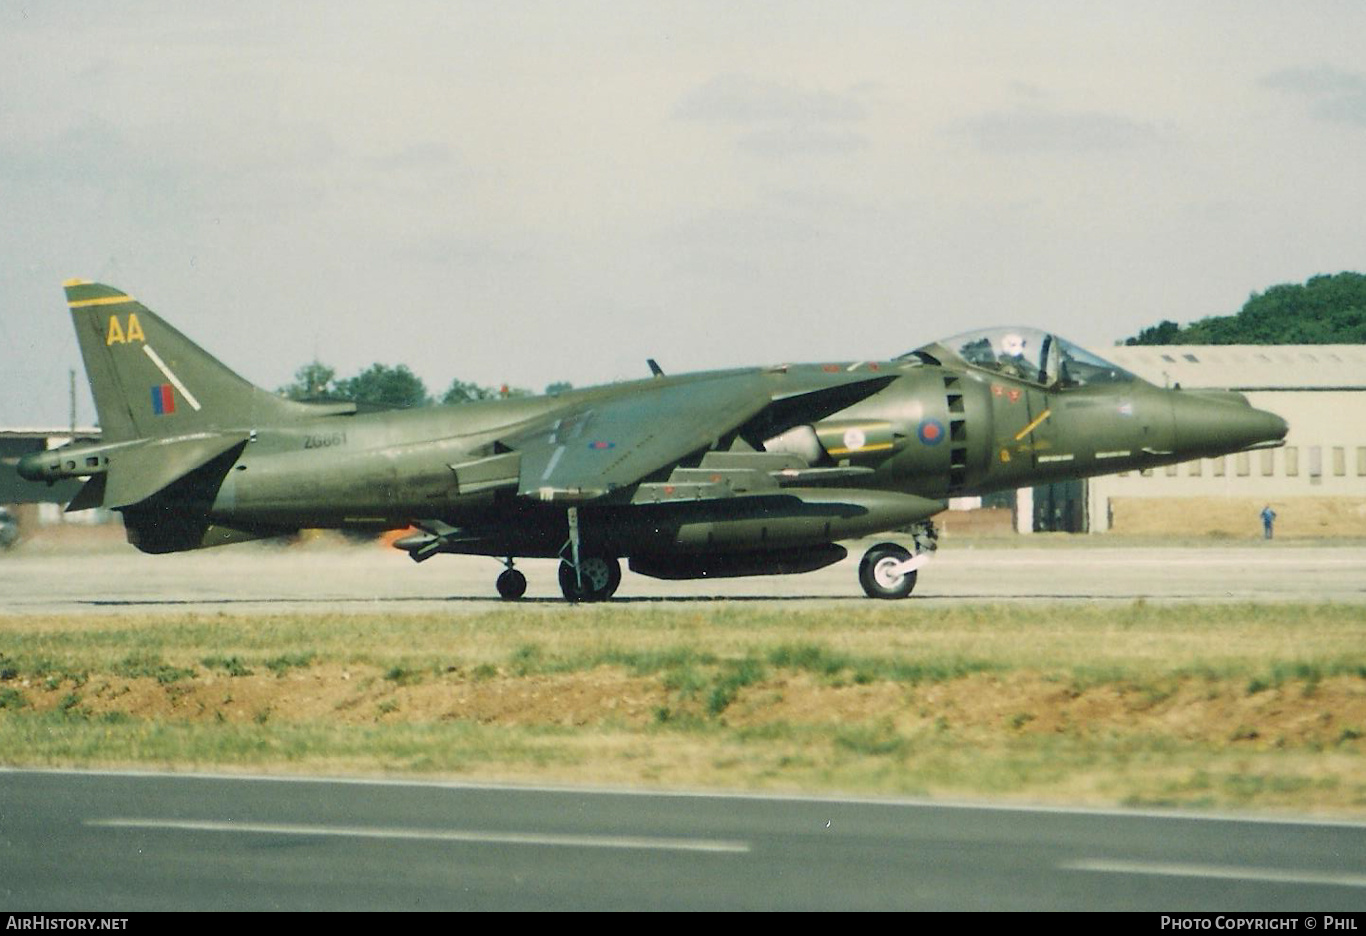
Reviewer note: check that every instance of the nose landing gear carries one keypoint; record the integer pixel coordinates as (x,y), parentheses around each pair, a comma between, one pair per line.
(883,572)
(889,571)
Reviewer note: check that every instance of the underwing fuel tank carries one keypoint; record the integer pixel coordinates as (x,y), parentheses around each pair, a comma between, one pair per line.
(791,517)
(738,564)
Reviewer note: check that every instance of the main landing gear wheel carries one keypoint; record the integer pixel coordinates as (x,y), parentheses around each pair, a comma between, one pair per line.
(511,585)
(880,575)
(600,576)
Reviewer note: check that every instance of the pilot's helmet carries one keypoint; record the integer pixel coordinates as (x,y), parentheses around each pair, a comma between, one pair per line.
(1012,344)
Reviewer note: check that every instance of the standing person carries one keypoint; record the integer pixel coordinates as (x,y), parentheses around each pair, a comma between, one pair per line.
(1268,519)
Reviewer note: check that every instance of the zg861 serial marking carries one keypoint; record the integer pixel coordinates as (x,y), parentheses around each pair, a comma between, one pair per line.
(325,441)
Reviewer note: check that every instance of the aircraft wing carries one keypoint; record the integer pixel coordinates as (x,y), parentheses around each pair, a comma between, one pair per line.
(613,442)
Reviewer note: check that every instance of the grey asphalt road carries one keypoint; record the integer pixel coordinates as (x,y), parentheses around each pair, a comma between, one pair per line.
(251,577)
(92,841)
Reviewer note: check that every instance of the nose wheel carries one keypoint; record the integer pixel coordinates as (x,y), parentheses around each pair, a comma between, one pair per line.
(888,571)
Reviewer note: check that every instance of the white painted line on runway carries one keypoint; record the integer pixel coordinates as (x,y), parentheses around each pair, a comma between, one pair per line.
(436,835)
(818,799)
(1220,872)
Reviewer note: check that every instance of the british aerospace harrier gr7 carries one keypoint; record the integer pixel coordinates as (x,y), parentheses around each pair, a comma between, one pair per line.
(754,471)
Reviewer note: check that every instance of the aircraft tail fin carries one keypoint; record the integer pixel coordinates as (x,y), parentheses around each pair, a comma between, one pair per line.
(150,381)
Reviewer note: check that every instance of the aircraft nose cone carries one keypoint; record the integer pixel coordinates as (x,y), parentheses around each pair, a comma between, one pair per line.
(1274,426)
(1216,423)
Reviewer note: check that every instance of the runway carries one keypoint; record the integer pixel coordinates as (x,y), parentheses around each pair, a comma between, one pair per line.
(108,841)
(251,577)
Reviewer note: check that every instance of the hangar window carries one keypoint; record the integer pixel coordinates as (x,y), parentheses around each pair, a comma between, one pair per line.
(1243,464)
(1268,462)
(1339,461)
(1171,471)
(1315,461)
(1192,358)
(1218,465)
(1194,468)
(1361,461)
(1292,461)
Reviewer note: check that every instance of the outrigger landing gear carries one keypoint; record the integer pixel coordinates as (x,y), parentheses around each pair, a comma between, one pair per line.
(586,577)
(511,583)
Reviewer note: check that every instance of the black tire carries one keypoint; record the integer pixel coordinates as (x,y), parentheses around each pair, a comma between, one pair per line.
(511,585)
(876,581)
(601,575)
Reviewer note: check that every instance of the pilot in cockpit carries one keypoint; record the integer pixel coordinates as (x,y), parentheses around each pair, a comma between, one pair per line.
(1012,359)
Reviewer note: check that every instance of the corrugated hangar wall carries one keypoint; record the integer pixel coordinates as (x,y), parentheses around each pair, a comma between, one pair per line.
(1316,483)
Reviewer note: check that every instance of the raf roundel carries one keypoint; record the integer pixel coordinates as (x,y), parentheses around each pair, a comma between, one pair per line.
(931,432)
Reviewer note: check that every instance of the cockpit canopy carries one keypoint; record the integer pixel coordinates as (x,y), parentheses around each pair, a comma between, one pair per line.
(1029,354)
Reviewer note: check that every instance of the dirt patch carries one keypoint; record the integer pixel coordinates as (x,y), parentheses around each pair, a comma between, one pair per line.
(1322,712)
(355,695)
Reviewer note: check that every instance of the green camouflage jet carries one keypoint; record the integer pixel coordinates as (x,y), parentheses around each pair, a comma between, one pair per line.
(754,471)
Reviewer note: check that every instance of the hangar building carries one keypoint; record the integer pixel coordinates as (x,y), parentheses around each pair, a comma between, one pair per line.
(1316,483)
(41,503)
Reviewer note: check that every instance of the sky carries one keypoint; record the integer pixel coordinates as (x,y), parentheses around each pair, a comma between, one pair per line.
(523,193)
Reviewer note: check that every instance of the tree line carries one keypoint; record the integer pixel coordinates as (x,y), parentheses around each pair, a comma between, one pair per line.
(392,386)
(1325,310)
